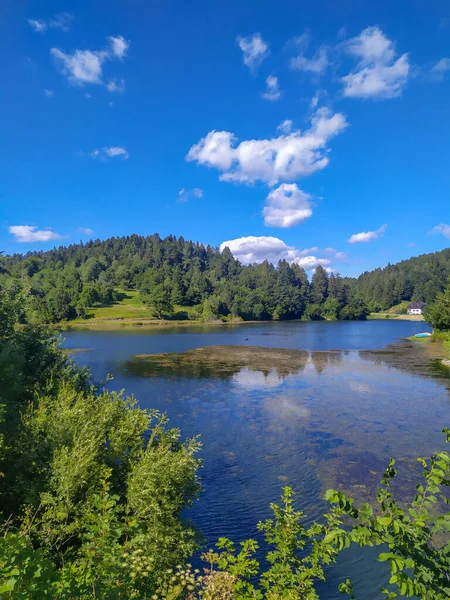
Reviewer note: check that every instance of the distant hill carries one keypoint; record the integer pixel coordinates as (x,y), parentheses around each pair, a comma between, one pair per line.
(171,273)
(419,279)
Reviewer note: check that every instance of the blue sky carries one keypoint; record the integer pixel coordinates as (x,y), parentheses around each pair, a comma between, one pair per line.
(312,131)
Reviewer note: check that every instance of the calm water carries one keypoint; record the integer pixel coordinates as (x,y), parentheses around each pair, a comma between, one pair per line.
(334,420)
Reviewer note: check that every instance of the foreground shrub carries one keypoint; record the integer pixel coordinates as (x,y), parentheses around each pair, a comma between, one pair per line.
(413,540)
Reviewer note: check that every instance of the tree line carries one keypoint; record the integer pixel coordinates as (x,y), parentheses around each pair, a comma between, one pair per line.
(418,279)
(64,283)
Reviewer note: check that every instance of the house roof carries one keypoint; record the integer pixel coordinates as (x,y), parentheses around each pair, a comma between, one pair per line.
(416,305)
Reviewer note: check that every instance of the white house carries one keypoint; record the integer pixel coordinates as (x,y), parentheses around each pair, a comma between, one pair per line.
(415,308)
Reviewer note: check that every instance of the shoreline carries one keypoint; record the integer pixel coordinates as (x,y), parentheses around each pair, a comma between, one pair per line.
(125,323)
(442,345)
(390,317)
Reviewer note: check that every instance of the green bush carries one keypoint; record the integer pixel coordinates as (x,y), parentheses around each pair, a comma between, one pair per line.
(93,488)
(437,314)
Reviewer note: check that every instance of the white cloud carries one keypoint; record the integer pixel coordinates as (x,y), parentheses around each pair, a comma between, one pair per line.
(285,126)
(110,152)
(307,251)
(342,33)
(184,195)
(62,21)
(83,66)
(272,90)
(48,93)
(255,50)
(119,45)
(378,82)
(286,206)
(286,157)
(440,68)
(442,65)
(442,228)
(116,151)
(85,230)
(317,64)
(115,86)
(300,42)
(312,262)
(337,255)
(197,193)
(86,66)
(378,73)
(316,99)
(371,46)
(37,24)
(27,233)
(367,236)
(253,249)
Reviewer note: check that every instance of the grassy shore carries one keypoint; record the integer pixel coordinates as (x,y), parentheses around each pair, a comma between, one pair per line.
(113,323)
(392,316)
(440,338)
(139,323)
(131,313)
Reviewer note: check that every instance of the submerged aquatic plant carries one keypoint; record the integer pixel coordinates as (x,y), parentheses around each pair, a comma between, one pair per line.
(414,541)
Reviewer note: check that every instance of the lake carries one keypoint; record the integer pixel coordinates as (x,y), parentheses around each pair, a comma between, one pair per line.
(332,419)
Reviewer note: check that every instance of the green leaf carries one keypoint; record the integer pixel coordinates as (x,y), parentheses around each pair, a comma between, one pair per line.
(329,537)
(385,556)
(8,586)
(331,496)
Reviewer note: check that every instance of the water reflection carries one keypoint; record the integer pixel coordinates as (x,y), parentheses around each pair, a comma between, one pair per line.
(222,362)
(246,366)
(269,417)
(250,378)
(413,357)
(349,411)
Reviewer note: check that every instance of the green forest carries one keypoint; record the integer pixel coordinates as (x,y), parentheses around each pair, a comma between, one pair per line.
(185,280)
(418,279)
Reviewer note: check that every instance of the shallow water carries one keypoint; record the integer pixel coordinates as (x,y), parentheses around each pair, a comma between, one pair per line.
(331,420)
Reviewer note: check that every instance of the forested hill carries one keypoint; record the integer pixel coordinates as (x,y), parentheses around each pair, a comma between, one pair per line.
(172,273)
(419,279)
(169,274)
